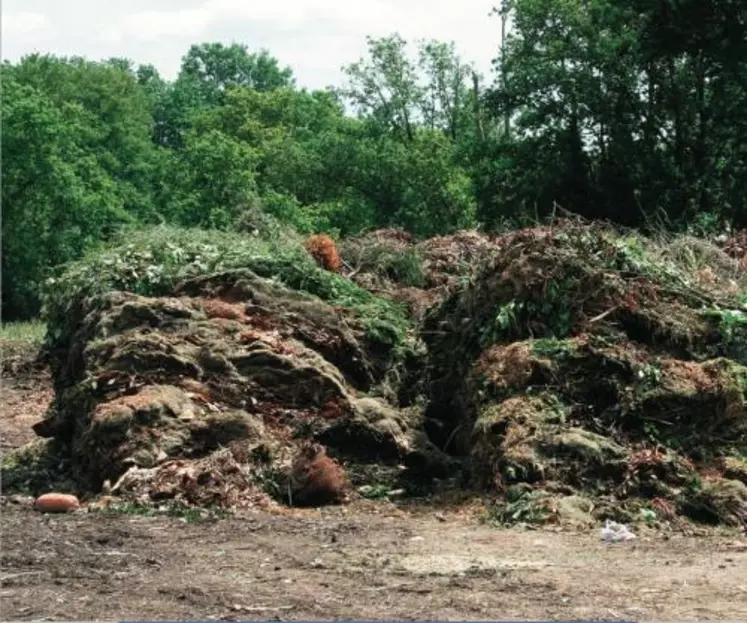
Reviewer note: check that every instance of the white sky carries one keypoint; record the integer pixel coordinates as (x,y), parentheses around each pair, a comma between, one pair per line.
(315,37)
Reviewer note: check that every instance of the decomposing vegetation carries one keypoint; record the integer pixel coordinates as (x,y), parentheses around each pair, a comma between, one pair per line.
(570,372)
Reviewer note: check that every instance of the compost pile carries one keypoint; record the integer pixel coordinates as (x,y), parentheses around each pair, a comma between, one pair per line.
(591,374)
(391,264)
(231,392)
(570,372)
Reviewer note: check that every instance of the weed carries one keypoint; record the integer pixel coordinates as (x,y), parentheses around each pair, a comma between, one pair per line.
(512,318)
(521,506)
(30,332)
(187,514)
(35,468)
(374,492)
(272,481)
(694,484)
(731,323)
(651,431)
(648,516)
(504,322)
(551,348)
(649,375)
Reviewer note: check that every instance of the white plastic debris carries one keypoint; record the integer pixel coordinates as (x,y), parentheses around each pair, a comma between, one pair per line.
(614,532)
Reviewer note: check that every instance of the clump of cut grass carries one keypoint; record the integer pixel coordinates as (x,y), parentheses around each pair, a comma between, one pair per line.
(396,263)
(152,262)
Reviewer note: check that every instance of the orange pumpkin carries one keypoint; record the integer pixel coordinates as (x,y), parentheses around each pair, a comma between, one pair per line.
(56,503)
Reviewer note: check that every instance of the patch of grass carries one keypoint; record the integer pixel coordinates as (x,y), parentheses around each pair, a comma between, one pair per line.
(20,345)
(551,348)
(187,514)
(521,506)
(29,332)
(152,262)
(374,492)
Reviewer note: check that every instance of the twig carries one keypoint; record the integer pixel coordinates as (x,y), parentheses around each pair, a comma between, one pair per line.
(451,437)
(656,419)
(603,315)
(354,272)
(388,587)
(263,608)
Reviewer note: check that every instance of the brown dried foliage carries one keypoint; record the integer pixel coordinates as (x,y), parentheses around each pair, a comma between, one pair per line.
(664,509)
(506,366)
(215,308)
(322,248)
(646,458)
(736,247)
(316,479)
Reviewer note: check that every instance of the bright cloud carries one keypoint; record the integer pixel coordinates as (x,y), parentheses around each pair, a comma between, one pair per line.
(20,24)
(315,37)
(156,25)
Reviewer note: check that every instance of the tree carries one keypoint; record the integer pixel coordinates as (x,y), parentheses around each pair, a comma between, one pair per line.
(629,101)
(385,85)
(57,198)
(118,118)
(421,120)
(208,72)
(446,95)
(212,179)
(402,93)
(214,68)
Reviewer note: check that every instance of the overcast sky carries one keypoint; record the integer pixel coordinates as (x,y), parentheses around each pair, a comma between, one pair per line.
(314,37)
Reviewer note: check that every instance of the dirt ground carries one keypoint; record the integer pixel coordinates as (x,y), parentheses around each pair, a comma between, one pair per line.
(370,560)
(24,399)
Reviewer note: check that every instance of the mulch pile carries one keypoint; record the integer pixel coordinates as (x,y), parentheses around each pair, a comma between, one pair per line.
(218,396)
(572,372)
(582,364)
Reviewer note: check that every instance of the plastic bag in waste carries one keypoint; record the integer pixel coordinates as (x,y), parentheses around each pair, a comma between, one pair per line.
(614,532)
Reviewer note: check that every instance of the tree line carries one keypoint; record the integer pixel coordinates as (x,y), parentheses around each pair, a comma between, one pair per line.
(628,110)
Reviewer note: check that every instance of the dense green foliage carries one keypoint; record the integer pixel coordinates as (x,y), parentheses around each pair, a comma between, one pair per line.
(624,108)
(151,262)
(620,109)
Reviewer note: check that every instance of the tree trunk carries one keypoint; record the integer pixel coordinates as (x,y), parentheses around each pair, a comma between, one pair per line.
(504,19)
(477,111)
(700,155)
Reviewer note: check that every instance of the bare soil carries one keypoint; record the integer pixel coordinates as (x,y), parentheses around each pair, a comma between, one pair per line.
(25,397)
(369,560)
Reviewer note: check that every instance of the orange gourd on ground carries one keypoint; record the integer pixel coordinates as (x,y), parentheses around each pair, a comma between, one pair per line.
(56,503)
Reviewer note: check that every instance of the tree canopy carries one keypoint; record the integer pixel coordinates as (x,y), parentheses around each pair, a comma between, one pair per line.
(618,109)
